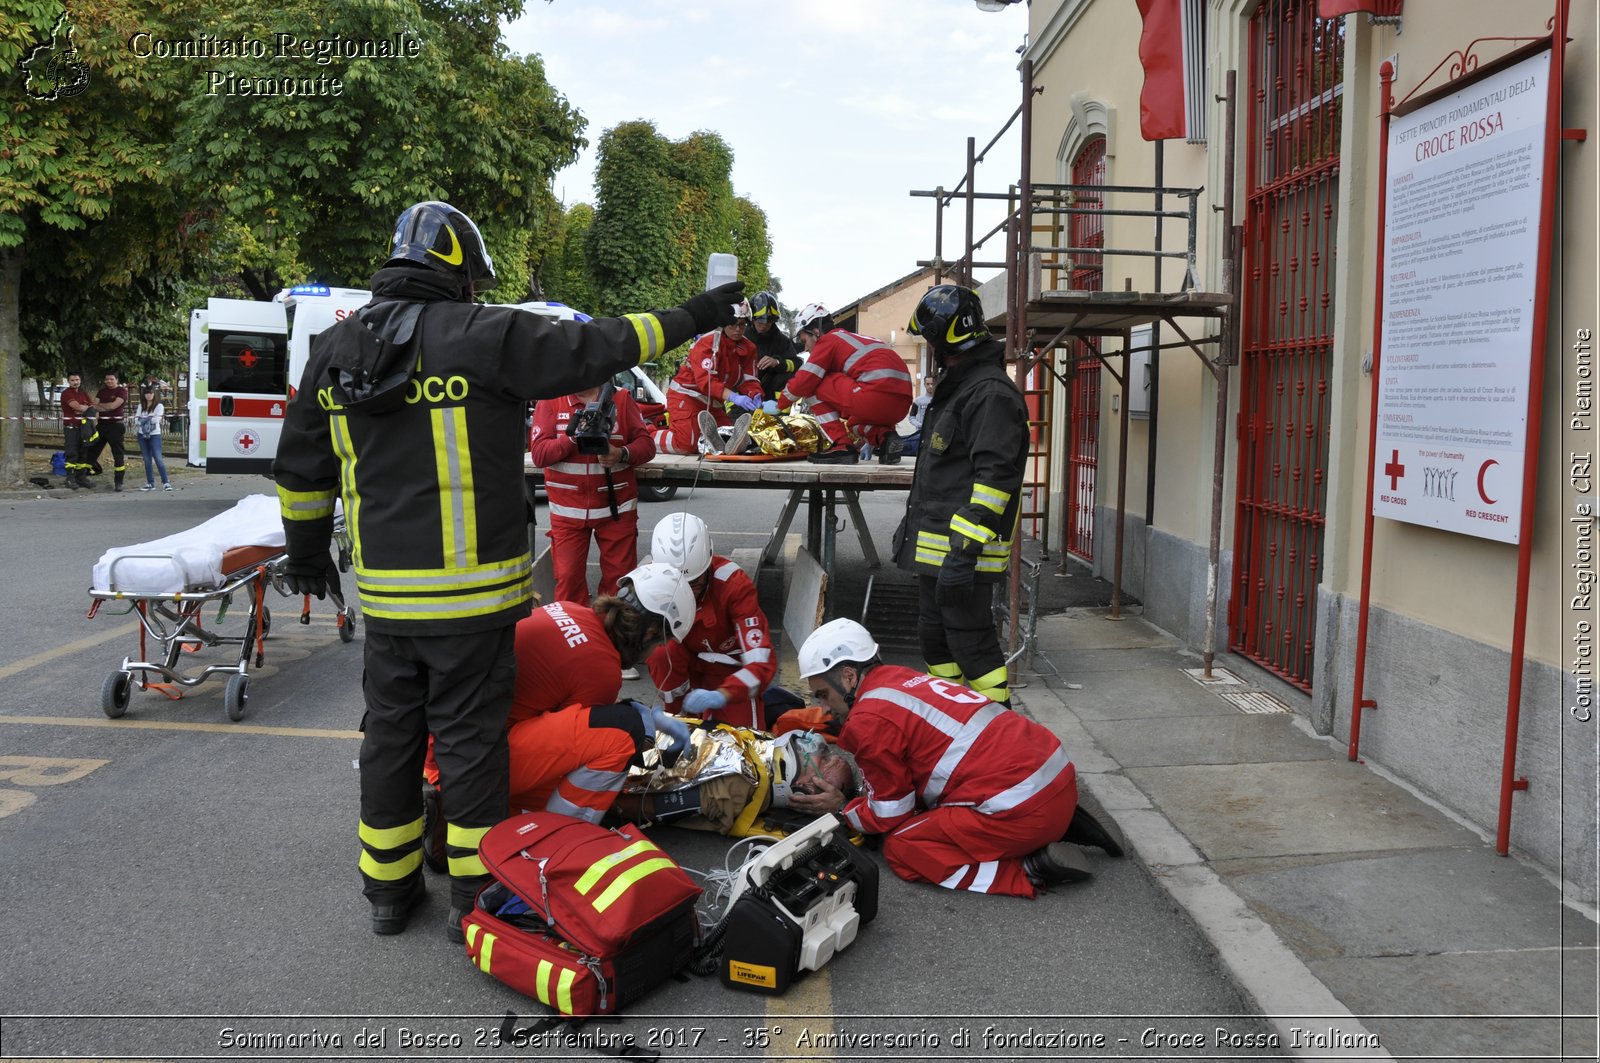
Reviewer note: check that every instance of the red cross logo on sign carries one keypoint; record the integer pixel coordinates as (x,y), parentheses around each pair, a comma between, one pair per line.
(245,442)
(1394,470)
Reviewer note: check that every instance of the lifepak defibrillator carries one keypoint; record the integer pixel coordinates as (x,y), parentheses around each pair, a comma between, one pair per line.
(796,904)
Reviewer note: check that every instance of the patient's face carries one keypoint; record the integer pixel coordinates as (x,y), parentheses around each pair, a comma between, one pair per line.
(830,769)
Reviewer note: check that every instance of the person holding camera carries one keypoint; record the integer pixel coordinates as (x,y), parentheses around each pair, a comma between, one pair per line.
(588,445)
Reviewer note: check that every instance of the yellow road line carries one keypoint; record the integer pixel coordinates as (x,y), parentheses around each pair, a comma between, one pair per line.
(173,725)
(60,651)
(802,1008)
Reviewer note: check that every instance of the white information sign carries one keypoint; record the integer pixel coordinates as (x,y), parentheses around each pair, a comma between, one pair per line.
(1461,257)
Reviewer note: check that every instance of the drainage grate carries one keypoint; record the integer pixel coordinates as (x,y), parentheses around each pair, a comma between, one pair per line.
(1220,677)
(1255,702)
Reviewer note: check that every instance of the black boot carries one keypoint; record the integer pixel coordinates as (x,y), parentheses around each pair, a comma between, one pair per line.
(1091,826)
(1057,862)
(392,918)
(893,448)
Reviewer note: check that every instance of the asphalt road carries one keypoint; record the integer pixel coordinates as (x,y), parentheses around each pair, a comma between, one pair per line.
(175,885)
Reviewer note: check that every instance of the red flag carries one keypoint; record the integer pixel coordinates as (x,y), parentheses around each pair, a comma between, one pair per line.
(1161,109)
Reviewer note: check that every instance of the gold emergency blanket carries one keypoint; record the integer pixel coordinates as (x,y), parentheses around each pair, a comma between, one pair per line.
(795,433)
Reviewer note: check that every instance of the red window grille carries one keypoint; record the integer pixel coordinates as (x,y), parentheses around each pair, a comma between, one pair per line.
(1083,392)
(1296,85)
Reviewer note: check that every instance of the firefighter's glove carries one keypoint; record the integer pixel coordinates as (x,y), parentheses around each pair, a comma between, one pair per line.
(700,702)
(770,407)
(745,403)
(658,721)
(306,575)
(714,308)
(956,574)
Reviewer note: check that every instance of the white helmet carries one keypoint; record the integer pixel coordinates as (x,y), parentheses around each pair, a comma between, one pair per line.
(833,642)
(662,590)
(810,316)
(683,541)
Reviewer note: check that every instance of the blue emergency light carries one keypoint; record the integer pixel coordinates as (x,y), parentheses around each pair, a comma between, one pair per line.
(310,289)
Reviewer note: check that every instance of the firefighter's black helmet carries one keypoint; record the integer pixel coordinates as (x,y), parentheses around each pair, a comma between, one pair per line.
(950,318)
(765,305)
(437,235)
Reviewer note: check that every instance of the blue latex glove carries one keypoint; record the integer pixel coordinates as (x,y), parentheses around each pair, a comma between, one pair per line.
(658,720)
(700,702)
(745,403)
(771,407)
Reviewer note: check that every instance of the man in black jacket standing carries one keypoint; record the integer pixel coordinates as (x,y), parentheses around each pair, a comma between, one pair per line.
(411,412)
(964,501)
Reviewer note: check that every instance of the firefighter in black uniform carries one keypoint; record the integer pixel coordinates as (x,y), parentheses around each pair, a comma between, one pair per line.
(962,510)
(411,411)
(776,358)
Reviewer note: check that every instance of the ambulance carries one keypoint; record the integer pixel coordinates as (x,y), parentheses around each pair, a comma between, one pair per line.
(245,361)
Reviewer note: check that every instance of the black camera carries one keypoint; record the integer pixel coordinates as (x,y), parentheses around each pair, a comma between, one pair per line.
(591,427)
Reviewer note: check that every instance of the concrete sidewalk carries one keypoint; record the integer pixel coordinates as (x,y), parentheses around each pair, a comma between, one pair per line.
(1364,920)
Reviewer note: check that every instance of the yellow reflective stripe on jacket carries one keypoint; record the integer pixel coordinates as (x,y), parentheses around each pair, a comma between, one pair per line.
(305,505)
(458,511)
(390,837)
(628,878)
(590,878)
(344,447)
(403,594)
(393,870)
(652,338)
(994,557)
(976,532)
(991,498)
(471,577)
(934,541)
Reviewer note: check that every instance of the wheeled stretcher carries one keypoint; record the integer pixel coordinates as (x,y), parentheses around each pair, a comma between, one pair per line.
(167,583)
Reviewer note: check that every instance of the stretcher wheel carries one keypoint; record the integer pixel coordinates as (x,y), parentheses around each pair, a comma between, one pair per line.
(234,698)
(114,694)
(347,626)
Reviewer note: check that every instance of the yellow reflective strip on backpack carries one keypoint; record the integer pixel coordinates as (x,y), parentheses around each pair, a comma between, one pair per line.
(472,933)
(564,990)
(485,953)
(624,882)
(589,878)
(541,981)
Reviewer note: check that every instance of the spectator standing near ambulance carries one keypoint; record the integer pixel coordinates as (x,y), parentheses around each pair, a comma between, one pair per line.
(848,377)
(112,402)
(965,494)
(147,426)
(718,371)
(591,495)
(412,411)
(75,428)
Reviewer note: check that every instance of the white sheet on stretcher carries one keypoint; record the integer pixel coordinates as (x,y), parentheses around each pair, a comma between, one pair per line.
(191,560)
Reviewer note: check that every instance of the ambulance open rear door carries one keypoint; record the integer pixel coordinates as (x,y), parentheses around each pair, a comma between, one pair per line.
(247,362)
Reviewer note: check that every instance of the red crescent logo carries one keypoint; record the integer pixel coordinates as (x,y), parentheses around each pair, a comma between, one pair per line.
(1483,471)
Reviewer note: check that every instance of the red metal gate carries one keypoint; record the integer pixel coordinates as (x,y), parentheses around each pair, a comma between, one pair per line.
(1296,75)
(1083,393)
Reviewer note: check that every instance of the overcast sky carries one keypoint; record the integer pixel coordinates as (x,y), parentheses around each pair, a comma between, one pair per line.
(835,110)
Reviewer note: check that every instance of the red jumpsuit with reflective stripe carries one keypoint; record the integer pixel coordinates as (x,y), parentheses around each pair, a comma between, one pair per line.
(728,649)
(716,368)
(560,762)
(564,657)
(962,788)
(580,499)
(853,377)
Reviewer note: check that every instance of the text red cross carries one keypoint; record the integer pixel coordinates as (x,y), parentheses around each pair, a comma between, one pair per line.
(1394,470)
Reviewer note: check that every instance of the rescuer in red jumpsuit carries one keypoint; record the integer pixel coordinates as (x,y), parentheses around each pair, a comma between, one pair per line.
(724,666)
(590,495)
(720,369)
(570,738)
(970,795)
(848,377)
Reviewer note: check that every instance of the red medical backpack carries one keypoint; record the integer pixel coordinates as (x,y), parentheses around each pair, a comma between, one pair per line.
(608,915)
